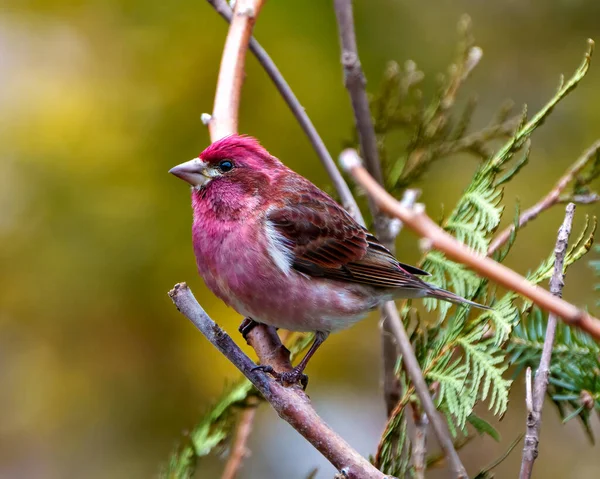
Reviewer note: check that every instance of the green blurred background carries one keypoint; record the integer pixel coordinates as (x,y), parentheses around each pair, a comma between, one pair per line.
(99,374)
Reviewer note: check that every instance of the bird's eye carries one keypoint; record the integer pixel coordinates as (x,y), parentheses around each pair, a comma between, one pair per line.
(225,166)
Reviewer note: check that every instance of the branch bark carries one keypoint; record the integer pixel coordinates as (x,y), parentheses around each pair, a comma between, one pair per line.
(552,198)
(239,450)
(536,401)
(224,119)
(340,185)
(391,324)
(389,348)
(417,220)
(355,82)
(291,403)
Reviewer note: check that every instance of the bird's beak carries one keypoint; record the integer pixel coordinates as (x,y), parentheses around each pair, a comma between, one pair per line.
(192,171)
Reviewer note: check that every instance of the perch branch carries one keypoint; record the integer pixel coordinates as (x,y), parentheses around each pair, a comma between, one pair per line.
(536,401)
(239,450)
(417,220)
(552,198)
(340,185)
(291,403)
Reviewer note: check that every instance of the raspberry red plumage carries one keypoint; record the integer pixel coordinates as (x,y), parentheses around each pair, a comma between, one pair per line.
(276,248)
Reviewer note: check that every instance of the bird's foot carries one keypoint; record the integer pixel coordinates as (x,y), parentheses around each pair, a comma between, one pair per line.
(292,377)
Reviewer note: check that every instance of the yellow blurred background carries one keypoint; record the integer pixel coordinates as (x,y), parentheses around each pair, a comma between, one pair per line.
(99,374)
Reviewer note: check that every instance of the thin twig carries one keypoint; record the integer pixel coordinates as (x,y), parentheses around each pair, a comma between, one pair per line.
(534,414)
(291,403)
(389,349)
(239,451)
(417,220)
(355,81)
(340,185)
(552,198)
(224,118)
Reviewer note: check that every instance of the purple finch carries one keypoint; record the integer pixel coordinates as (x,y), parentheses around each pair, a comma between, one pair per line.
(277,249)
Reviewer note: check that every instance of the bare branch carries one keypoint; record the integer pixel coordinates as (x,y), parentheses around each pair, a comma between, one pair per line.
(355,81)
(418,221)
(224,120)
(291,403)
(389,349)
(340,185)
(534,413)
(552,198)
(239,450)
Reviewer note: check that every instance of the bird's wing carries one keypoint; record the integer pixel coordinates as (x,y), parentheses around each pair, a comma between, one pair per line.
(325,241)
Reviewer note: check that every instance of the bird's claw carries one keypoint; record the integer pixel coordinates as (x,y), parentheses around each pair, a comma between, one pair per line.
(292,377)
(248,324)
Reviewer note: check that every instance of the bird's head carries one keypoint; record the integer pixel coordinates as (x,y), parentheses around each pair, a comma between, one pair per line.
(232,159)
(231,176)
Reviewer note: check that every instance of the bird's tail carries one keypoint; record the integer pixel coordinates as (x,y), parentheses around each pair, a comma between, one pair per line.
(444,295)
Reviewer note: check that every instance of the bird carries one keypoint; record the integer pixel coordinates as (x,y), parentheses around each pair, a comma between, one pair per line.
(280,251)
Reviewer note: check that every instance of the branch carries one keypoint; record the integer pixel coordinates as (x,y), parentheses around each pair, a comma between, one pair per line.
(355,81)
(239,450)
(418,221)
(536,400)
(389,349)
(224,118)
(291,403)
(340,185)
(552,198)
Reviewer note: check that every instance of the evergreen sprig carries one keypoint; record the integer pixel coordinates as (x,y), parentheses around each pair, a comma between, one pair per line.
(462,357)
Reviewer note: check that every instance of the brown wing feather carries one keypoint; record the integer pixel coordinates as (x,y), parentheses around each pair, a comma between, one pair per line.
(327,242)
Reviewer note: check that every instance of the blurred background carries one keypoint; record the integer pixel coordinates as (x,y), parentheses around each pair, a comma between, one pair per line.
(99,374)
